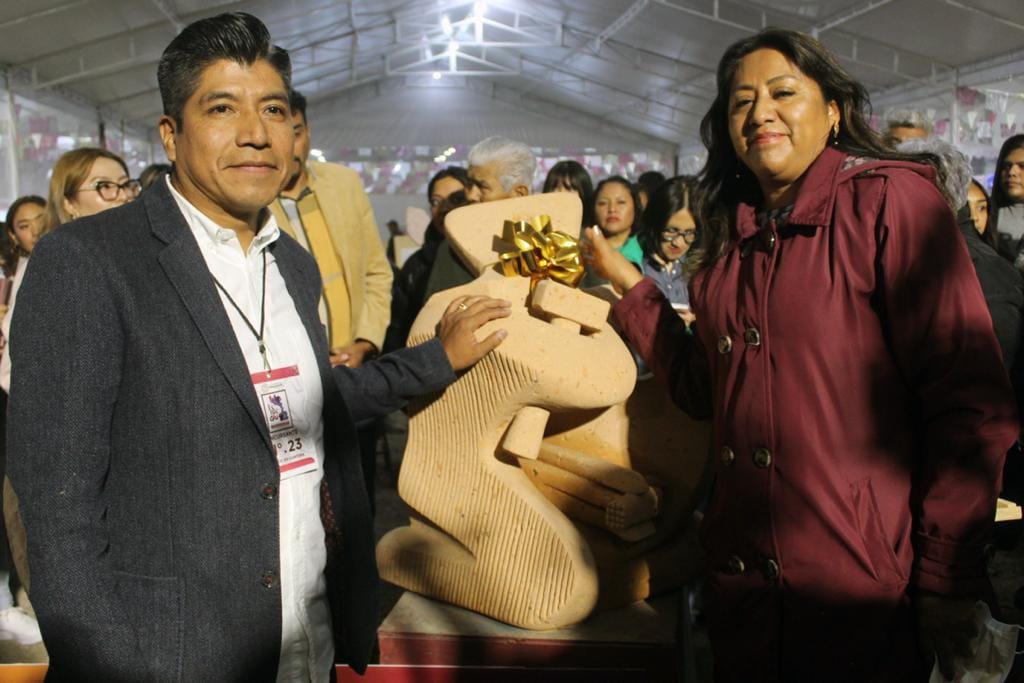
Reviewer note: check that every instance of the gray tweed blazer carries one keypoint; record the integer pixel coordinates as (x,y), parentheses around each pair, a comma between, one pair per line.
(142,460)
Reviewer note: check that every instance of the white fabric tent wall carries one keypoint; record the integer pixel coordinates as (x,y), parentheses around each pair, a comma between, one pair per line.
(451,115)
(447,114)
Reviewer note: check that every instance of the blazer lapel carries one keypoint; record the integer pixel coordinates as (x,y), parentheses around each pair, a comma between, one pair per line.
(184,266)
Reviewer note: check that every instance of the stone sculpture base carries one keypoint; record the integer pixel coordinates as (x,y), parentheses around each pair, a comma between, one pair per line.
(634,643)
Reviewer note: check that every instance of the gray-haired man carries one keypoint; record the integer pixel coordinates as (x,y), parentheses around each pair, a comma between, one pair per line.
(499,168)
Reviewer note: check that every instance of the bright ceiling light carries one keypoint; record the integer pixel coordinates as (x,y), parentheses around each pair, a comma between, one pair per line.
(397,168)
(446,25)
(316,152)
(436,75)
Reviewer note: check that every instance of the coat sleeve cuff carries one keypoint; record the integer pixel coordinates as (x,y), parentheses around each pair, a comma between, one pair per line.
(948,568)
(636,311)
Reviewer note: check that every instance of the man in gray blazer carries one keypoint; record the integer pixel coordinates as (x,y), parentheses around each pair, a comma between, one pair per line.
(184,454)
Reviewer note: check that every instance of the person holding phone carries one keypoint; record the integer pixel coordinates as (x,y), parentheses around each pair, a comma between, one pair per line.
(666,232)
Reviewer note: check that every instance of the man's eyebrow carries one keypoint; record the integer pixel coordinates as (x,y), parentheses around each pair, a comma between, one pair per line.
(218,95)
(274,96)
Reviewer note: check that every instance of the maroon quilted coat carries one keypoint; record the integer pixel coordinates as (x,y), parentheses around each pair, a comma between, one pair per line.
(861,413)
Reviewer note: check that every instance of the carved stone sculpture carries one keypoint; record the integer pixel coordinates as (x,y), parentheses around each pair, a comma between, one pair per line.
(545,481)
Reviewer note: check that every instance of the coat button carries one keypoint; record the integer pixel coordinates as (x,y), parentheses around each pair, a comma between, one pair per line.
(269,579)
(762,457)
(268,491)
(751,337)
(736,566)
(771,570)
(728,456)
(724,344)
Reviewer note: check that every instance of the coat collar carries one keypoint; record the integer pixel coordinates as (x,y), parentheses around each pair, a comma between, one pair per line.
(814,199)
(184,266)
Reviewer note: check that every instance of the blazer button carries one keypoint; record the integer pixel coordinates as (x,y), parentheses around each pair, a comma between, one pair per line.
(751,337)
(268,491)
(771,570)
(269,579)
(724,344)
(728,456)
(736,566)
(762,457)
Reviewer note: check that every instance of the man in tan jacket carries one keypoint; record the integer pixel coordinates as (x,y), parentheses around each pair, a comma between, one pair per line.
(325,208)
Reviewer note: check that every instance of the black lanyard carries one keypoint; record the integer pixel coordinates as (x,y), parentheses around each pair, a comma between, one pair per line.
(263,312)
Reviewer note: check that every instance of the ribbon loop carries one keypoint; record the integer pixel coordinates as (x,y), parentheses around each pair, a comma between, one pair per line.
(540,252)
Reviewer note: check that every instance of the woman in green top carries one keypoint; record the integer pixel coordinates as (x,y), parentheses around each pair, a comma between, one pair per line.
(616,206)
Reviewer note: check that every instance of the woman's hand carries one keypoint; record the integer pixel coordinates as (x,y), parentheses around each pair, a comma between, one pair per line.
(606,262)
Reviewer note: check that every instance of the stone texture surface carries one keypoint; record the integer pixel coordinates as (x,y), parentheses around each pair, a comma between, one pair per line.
(546,482)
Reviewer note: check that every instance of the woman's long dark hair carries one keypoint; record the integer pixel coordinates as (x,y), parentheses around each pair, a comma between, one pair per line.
(674,195)
(724,181)
(999,196)
(633,192)
(573,175)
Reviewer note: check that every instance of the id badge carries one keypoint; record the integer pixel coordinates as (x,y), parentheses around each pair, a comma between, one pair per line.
(296,454)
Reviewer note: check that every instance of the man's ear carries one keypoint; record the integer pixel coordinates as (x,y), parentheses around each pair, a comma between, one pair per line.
(520,191)
(168,128)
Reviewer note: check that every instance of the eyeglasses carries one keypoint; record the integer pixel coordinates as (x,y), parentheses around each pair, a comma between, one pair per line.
(671,235)
(108,190)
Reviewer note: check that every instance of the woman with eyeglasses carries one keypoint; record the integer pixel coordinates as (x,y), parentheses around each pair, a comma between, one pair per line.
(88,181)
(667,230)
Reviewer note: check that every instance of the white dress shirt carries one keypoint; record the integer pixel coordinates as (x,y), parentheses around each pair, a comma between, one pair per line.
(307,646)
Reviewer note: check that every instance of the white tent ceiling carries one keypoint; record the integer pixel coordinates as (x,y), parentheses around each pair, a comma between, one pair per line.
(564,73)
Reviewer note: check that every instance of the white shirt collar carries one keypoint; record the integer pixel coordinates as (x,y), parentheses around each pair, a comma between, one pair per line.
(201,224)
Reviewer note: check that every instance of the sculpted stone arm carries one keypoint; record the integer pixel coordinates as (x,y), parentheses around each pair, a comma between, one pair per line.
(67,351)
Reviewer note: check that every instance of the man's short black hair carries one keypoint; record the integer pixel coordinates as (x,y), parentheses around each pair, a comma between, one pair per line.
(456,172)
(297,102)
(236,36)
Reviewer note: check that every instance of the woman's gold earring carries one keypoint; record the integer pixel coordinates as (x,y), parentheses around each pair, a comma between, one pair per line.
(835,133)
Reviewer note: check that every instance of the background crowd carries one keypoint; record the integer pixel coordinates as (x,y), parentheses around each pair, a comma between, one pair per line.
(670,232)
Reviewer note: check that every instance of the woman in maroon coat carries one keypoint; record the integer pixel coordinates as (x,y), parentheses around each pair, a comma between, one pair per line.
(846,355)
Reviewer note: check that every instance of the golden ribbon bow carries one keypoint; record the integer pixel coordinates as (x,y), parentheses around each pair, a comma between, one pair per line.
(539,252)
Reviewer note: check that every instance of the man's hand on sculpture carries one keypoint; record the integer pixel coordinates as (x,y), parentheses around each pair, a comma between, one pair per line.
(352,355)
(606,262)
(458,326)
